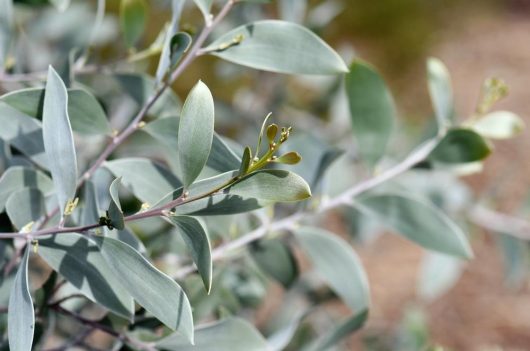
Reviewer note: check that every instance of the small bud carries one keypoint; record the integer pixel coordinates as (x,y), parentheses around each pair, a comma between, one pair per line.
(145,207)
(272,130)
(290,158)
(141,124)
(70,206)
(35,244)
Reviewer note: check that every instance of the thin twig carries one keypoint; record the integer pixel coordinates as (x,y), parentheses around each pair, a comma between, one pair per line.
(500,223)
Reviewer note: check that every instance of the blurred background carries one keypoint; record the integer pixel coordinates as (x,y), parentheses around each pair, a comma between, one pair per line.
(488,307)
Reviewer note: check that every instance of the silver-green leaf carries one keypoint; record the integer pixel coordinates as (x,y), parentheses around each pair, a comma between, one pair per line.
(6,29)
(58,139)
(115,212)
(196,237)
(418,221)
(17,178)
(336,262)
(372,111)
(441,91)
(231,334)
(195,132)
(81,263)
(278,46)
(25,206)
(21,317)
(155,291)
(205,6)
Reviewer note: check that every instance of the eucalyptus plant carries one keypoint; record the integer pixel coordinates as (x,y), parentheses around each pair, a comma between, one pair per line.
(101,233)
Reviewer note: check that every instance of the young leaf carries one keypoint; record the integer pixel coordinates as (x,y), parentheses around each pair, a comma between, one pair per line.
(372,111)
(167,57)
(245,161)
(152,289)
(499,125)
(336,262)
(17,178)
(21,317)
(25,206)
(6,29)
(441,91)
(205,6)
(194,234)
(80,262)
(58,139)
(115,212)
(179,44)
(276,259)
(147,180)
(461,146)
(418,221)
(133,17)
(86,114)
(195,132)
(231,334)
(278,46)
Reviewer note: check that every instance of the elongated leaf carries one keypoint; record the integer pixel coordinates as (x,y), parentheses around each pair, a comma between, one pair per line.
(231,334)
(461,146)
(90,207)
(79,261)
(372,111)
(336,334)
(167,55)
(278,46)
(418,221)
(499,125)
(195,132)
(221,158)
(17,178)
(86,114)
(133,18)
(21,317)
(276,259)
(336,262)
(205,6)
(147,180)
(152,289)
(441,91)
(256,190)
(23,133)
(25,206)
(115,212)
(194,234)
(58,139)
(6,29)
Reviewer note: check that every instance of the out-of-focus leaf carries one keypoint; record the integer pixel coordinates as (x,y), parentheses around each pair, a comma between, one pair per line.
(336,334)
(194,234)
(278,46)
(516,258)
(23,133)
(418,221)
(148,181)
(372,111)
(438,274)
(441,91)
(293,10)
(499,125)
(115,212)
(276,259)
(231,334)
(461,146)
(21,317)
(58,139)
(86,114)
(133,18)
(336,262)
(61,5)
(195,132)
(17,178)
(152,289)
(80,262)
(205,6)
(25,206)
(6,29)
(168,56)
(221,158)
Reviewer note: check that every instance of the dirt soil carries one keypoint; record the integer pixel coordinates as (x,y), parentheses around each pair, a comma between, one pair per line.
(480,313)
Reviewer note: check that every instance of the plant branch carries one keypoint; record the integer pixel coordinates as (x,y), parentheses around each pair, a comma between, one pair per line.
(500,222)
